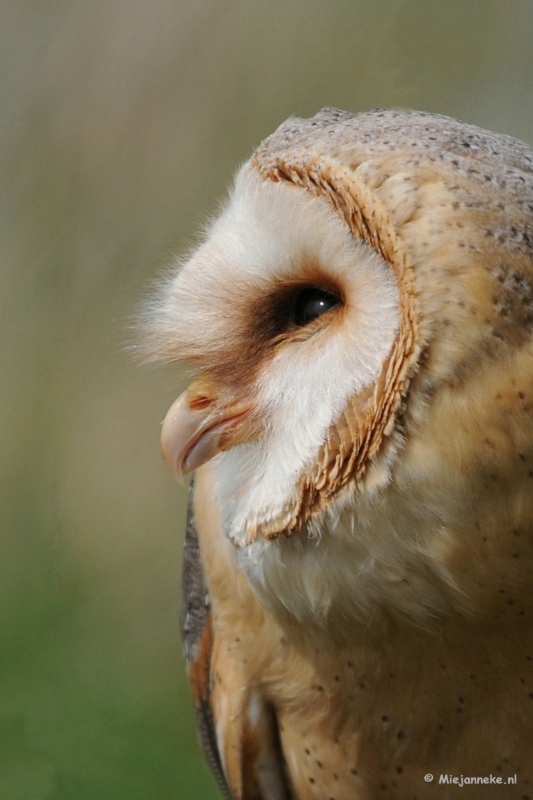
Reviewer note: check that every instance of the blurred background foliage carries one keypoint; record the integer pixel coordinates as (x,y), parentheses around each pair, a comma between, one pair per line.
(122,122)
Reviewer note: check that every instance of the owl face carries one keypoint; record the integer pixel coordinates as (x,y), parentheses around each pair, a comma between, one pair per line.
(291,321)
(360,317)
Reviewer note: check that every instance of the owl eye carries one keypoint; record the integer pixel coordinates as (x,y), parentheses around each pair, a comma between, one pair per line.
(311,302)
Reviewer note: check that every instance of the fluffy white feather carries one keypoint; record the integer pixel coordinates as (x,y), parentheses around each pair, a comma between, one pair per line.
(269,234)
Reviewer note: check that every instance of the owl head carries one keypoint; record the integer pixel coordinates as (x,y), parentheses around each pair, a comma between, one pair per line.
(353,313)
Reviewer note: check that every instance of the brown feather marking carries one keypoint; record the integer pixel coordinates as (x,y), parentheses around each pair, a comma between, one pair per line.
(375,414)
(199,670)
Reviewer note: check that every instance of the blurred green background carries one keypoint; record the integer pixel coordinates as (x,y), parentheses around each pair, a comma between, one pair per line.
(121,124)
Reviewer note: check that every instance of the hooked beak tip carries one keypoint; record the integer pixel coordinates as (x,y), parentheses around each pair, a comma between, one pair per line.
(174,466)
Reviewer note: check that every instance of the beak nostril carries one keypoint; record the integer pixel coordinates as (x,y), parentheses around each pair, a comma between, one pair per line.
(200,402)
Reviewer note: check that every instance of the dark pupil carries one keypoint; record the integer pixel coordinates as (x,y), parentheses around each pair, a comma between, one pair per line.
(311,303)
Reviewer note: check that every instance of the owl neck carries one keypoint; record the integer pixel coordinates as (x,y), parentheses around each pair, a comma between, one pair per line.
(395,560)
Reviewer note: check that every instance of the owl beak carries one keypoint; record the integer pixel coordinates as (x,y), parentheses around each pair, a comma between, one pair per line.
(197,427)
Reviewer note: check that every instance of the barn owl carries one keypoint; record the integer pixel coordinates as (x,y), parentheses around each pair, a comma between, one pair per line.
(358,581)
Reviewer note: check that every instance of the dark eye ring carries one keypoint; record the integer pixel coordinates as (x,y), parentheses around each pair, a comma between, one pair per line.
(311,302)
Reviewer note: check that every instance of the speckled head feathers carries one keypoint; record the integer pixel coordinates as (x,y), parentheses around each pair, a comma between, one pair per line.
(445,207)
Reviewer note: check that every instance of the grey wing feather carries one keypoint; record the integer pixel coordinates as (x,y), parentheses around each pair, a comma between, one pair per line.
(195,615)
(195,601)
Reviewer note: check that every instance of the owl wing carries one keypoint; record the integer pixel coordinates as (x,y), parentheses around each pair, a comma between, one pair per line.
(237,728)
(197,635)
